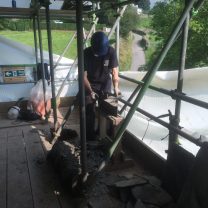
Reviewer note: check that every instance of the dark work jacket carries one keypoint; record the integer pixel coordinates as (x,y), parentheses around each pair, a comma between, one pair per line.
(99,69)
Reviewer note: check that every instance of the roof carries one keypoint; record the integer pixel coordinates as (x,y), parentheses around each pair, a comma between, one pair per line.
(26,4)
(9,12)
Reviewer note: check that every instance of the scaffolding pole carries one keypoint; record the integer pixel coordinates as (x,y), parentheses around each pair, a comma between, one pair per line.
(65,50)
(35,40)
(197,141)
(41,57)
(80,47)
(149,77)
(174,137)
(50,51)
(117,21)
(75,61)
(173,93)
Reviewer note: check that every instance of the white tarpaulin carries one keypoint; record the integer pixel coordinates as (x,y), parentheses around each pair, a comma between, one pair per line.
(14,53)
(193,119)
(26,4)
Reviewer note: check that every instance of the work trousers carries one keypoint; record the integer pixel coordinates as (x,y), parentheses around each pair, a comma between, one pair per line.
(91,129)
(90,121)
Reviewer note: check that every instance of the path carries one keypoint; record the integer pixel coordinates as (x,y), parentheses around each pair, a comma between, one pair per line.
(138,55)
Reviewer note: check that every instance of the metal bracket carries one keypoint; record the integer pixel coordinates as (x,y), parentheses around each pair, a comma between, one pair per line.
(174,93)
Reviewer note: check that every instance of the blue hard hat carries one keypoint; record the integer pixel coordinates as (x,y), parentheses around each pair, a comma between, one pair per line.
(99,43)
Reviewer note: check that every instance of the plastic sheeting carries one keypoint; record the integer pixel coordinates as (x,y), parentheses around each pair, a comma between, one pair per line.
(194,120)
(14,53)
(26,4)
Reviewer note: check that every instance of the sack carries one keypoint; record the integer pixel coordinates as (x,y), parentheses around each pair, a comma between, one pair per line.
(37,94)
(37,97)
(28,115)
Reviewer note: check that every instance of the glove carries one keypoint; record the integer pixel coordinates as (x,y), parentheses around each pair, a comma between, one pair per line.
(117,92)
(94,96)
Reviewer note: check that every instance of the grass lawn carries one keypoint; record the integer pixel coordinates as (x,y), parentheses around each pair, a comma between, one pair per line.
(60,40)
(125,53)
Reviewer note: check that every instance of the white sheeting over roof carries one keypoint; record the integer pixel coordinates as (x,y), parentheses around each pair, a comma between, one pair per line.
(26,4)
(193,119)
(19,3)
(14,53)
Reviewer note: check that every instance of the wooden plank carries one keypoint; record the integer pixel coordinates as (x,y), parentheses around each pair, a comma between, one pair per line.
(64,101)
(3,168)
(19,190)
(3,133)
(6,123)
(63,196)
(41,175)
(15,132)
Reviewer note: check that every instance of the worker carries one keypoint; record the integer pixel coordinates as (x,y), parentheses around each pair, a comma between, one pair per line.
(100,64)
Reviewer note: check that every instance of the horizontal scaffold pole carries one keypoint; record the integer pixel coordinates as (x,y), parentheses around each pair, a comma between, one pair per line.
(173,93)
(196,141)
(18,65)
(149,76)
(195,7)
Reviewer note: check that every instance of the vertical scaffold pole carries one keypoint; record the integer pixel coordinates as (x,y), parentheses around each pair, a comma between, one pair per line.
(181,75)
(196,6)
(41,56)
(80,47)
(149,77)
(50,51)
(75,60)
(35,43)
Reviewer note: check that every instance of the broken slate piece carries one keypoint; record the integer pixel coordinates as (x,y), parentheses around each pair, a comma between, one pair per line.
(129,205)
(139,204)
(130,182)
(151,195)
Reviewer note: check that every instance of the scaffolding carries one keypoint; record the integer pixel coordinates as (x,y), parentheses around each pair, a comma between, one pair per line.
(181,28)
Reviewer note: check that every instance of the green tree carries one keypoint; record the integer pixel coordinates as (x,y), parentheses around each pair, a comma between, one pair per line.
(128,22)
(4,24)
(144,4)
(164,17)
(107,14)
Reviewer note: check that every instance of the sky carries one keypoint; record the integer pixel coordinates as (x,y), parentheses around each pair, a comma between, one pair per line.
(152,2)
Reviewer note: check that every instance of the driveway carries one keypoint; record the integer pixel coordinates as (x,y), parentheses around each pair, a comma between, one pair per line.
(138,55)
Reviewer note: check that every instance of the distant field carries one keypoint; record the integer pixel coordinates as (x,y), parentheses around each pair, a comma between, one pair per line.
(60,40)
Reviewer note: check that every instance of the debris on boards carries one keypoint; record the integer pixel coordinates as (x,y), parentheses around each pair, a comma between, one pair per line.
(121,188)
